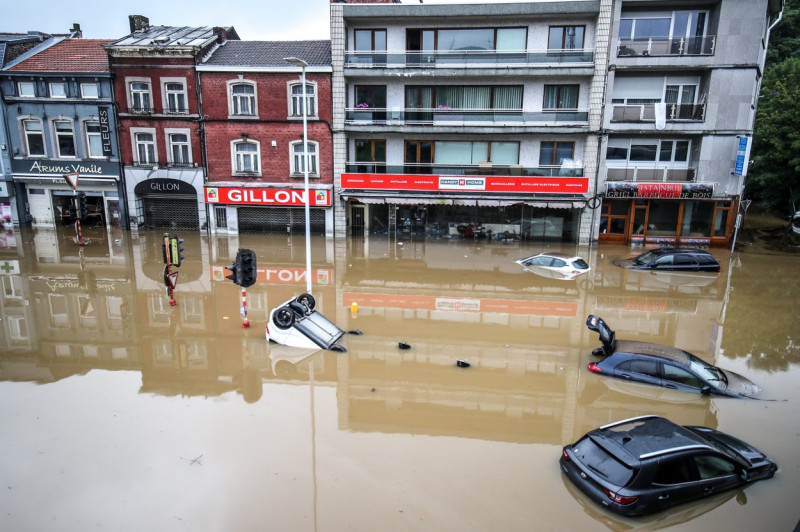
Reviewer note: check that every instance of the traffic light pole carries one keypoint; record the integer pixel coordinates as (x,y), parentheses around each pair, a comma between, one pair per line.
(245,321)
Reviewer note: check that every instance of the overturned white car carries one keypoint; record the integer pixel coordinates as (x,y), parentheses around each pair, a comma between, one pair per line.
(295,323)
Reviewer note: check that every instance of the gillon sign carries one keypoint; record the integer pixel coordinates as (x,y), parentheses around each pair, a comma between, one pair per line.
(267,196)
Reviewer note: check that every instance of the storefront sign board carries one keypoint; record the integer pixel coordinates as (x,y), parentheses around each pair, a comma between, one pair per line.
(267,196)
(622,190)
(458,183)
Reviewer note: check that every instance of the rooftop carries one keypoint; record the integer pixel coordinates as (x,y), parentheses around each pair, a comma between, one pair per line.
(69,55)
(270,53)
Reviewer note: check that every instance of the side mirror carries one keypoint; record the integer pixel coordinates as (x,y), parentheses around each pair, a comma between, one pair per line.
(744,475)
(706,390)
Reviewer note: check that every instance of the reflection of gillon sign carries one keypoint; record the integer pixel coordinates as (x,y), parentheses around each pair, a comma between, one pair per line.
(660,190)
(267,196)
(436,183)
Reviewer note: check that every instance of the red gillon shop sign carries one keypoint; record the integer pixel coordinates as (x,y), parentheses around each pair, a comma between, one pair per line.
(449,183)
(267,196)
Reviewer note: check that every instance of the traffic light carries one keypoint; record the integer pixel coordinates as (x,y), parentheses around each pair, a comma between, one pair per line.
(175,250)
(165,249)
(73,211)
(249,273)
(83,209)
(236,271)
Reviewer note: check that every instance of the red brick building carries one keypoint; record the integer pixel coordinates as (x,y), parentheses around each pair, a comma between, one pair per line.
(253,118)
(160,116)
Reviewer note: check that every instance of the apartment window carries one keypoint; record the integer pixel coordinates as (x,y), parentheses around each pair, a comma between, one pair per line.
(371,155)
(246,157)
(560,97)
(89,91)
(371,96)
(644,29)
(464,97)
(26,89)
(565,38)
(370,40)
(65,138)
(418,156)
(243,99)
(179,149)
(144,145)
(471,153)
(556,153)
(34,138)
(175,97)
(297,99)
(298,161)
(58,90)
(140,97)
(94,139)
(665,151)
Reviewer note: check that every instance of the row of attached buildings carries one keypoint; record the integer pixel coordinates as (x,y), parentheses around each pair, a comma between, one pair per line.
(624,122)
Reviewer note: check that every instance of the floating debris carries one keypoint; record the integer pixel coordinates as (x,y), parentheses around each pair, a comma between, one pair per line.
(403,345)
(462,363)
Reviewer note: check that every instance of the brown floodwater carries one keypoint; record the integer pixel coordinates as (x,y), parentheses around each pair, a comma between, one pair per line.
(123,412)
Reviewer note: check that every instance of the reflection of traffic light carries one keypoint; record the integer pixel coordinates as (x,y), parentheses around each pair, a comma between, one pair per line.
(249,272)
(175,250)
(165,249)
(91,283)
(83,209)
(236,271)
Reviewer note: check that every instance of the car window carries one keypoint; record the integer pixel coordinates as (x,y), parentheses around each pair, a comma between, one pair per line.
(683,259)
(666,260)
(539,261)
(681,376)
(580,264)
(713,466)
(642,367)
(558,263)
(602,462)
(674,471)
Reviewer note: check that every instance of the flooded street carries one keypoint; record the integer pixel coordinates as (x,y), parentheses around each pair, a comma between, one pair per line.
(121,412)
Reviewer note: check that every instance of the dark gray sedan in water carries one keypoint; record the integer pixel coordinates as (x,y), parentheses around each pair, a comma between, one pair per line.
(672,259)
(646,464)
(663,365)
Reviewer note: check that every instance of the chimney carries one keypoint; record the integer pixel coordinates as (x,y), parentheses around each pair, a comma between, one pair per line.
(76,32)
(138,23)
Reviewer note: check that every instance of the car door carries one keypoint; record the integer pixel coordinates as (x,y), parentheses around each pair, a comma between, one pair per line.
(679,378)
(685,263)
(639,370)
(675,481)
(716,473)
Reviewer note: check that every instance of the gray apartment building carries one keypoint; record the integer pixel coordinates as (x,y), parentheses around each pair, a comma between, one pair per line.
(623,122)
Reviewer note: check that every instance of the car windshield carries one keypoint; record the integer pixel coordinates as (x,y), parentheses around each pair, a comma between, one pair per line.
(580,264)
(707,372)
(646,258)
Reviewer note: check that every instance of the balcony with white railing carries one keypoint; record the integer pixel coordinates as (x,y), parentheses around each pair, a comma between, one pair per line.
(667,47)
(483,169)
(476,58)
(447,116)
(649,174)
(647,113)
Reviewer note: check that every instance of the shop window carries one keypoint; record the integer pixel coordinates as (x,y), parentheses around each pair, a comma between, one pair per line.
(721,221)
(663,218)
(697,218)
(614,215)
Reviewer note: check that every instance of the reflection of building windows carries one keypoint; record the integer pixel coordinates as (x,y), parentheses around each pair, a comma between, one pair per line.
(26,89)
(297,100)
(58,90)
(17,329)
(175,97)
(89,91)
(87,313)
(59,310)
(65,138)
(246,157)
(298,161)
(34,138)
(94,139)
(114,312)
(179,152)
(242,98)
(192,310)
(144,146)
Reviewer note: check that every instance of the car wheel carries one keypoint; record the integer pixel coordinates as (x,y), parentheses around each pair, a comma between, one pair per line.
(307,300)
(283,317)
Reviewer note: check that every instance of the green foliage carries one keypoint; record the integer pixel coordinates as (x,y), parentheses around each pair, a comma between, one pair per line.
(784,41)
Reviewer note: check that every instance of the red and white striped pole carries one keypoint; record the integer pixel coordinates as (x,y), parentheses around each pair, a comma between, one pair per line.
(245,321)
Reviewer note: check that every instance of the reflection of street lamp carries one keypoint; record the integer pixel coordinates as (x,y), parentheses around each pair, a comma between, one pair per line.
(302,64)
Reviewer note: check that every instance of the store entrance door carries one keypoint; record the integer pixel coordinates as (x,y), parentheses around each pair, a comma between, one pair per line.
(357,220)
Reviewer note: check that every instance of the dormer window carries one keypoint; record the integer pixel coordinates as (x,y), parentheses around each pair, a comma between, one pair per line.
(26,89)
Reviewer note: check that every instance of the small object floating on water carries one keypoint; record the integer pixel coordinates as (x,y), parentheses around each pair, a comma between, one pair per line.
(462,363)
(403,345)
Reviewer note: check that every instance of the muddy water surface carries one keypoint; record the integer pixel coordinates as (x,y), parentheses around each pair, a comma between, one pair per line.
(122,412)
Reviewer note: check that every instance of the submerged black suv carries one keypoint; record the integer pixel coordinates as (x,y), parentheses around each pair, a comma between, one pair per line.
(642,465)
(672,259)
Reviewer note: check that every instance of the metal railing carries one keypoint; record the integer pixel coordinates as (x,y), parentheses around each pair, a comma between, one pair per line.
(446,116)
(141,110)
(666,47)
(514,170)
(642,173)
(431,59)
(646,113)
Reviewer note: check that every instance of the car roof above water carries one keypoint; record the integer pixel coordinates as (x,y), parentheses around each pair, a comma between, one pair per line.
(666,352)
(647,436)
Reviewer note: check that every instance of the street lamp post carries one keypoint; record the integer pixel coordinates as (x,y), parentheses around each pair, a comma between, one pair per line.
(302,64)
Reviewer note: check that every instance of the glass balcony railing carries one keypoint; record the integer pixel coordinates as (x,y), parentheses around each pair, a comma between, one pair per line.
(446,116)
(642,173)
(662,47)
(647,113)
(514,170)
(430,59)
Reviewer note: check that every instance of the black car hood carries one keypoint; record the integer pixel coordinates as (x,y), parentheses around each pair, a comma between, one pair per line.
(739,385)
(626,263)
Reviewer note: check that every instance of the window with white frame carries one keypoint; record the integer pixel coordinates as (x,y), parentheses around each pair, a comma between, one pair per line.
(647,152)
(179,150)
(139,97)
(296,109)
(58,90)
(242,98)
(298,160)
(94,139)
(26,89)
(34,138)
(144,146)
(89,91)
(246,157)
(65,137)
(174,96)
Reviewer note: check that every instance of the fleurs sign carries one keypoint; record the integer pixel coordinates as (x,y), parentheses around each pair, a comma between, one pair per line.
(267,196)
(434,183)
